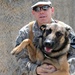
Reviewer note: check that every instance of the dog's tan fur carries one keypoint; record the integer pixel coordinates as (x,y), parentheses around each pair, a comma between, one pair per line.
(60,63)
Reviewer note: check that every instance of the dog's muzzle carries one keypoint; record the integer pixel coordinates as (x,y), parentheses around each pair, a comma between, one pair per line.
(48,46)
(48,43)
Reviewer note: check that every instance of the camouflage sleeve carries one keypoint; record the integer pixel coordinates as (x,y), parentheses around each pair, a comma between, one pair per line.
(72,37)
(23,34)
(25,65)
(71,54)
(72,42)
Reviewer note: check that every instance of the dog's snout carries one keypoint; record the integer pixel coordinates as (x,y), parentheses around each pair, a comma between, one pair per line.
(48,43)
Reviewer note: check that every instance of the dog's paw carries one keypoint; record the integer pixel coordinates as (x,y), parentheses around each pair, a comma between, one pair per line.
(15,51)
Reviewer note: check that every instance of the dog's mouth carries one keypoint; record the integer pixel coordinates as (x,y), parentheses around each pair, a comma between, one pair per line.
(48,45)
(48,49)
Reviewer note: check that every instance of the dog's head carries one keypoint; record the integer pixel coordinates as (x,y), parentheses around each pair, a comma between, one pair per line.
(55,37)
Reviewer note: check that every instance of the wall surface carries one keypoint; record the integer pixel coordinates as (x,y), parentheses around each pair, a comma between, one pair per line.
(14,14)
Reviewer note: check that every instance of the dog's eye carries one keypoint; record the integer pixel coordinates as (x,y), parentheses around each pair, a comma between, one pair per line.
(58,34)
(48,31)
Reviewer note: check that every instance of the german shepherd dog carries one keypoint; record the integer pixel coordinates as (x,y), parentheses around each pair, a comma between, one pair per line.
(54,44)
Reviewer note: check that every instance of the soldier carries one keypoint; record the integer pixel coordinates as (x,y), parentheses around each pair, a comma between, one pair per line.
(42,11)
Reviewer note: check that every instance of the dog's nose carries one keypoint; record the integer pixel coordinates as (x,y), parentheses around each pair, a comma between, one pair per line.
(48,43)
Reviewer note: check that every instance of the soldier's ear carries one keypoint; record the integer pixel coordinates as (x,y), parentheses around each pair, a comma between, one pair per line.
(52,9)
(43,28)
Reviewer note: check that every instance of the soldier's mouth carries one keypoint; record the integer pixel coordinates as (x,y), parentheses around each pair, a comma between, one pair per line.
(42,16)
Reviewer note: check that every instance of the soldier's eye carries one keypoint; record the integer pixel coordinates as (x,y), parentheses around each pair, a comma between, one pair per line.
(58,34)
(48,31)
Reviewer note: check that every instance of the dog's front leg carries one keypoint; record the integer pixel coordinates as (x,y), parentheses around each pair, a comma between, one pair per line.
(32,52)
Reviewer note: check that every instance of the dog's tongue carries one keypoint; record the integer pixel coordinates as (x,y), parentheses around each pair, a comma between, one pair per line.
(48,49)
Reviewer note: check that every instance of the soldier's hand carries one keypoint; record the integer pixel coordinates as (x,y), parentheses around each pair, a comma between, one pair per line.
(45,69)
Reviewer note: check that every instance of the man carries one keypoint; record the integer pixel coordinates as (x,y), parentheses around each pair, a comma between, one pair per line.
(42,11)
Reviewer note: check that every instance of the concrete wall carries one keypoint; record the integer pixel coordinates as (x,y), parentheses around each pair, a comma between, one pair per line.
(14,14)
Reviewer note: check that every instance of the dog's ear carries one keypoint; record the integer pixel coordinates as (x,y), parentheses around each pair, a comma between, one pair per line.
(68,31)
(43,28)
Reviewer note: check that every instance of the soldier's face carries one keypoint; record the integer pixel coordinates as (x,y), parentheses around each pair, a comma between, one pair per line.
(43,16)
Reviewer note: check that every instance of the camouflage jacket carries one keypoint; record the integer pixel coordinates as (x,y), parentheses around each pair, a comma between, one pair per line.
(25,65)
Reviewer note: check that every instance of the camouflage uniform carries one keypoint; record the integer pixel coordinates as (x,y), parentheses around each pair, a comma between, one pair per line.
(25,65)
